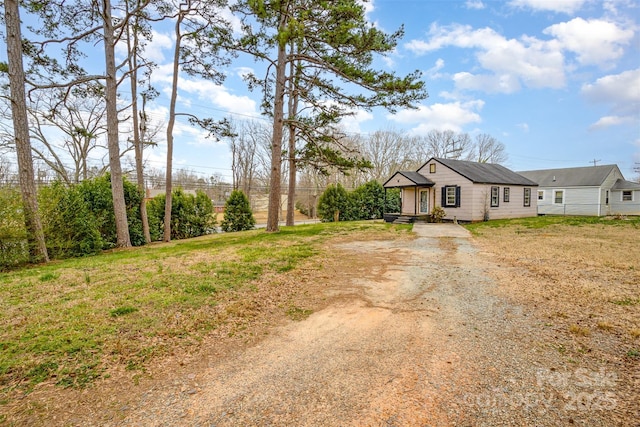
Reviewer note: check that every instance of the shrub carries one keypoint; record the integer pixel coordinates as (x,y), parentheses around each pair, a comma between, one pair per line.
(365,202)
(14,249)
(437,214)
(392,203)
(237,213)
(333,203)
(97,193)
(70,227)
(191,216)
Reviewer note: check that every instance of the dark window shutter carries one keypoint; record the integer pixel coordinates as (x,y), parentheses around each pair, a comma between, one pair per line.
(444,197)
(457,196)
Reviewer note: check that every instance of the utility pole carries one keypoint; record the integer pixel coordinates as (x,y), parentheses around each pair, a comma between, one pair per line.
(595,162)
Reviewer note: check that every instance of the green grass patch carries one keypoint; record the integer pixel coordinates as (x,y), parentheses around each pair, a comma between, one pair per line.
(547,221)
(65,321)
(297,313)
(122,311)
(626,301)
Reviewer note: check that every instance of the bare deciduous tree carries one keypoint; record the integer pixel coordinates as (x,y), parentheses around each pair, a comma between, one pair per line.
(444,144)
(487,149)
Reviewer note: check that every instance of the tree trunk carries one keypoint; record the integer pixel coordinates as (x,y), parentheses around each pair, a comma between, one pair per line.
(35,234)
(291,193)
(138,133)
(172,120)
(111,94)
(276,145)
(293,112)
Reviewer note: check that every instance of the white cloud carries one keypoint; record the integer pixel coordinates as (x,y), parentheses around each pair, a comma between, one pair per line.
(594,41)
(453,116)
(244,71)
(154,51)
(434,72)
(475,4)
(559,6)
(608,121)
(368,5)
(512,62)
(351,124)
(621,92)
(523,126)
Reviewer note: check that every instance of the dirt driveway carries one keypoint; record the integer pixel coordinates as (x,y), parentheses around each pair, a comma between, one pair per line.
(415,336)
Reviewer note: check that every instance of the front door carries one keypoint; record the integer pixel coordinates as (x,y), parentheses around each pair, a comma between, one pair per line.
(424,201)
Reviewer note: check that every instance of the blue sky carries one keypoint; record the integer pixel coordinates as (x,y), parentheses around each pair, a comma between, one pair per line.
(558,82)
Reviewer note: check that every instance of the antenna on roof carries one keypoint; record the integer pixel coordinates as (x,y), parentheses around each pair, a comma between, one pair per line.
(595,162)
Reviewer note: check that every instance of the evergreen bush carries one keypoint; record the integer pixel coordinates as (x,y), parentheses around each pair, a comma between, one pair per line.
(191,216)
(237,213)
(14,249)
(333,204)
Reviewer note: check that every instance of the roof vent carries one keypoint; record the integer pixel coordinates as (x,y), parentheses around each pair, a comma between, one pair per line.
(554,178)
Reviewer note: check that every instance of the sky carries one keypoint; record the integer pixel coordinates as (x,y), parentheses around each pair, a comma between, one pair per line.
(556,81)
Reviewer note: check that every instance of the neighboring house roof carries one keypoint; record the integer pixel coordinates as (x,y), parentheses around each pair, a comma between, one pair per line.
(486,173)
(622,184)
(588,176)
(414,177)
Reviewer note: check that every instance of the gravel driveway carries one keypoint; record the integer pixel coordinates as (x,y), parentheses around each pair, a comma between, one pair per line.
(417,338)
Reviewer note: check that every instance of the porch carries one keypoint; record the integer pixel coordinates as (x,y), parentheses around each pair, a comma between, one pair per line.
(416,197)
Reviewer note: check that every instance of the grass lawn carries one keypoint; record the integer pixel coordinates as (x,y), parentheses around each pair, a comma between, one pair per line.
(582,274)
(71,321)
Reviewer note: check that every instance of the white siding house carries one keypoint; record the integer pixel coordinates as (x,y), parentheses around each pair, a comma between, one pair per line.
(591,190)
(467,191)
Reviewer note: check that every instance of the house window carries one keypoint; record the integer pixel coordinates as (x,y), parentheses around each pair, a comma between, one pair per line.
(451,196)
(495,197)
(505,196)
(627,196)
(527,197)
(540,194)
(432,168)
(606,197)
(558,197)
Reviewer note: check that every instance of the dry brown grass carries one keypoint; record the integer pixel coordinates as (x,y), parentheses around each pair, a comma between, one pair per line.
(582,281)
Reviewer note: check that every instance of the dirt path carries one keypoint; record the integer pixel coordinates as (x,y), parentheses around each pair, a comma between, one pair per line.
(416,337)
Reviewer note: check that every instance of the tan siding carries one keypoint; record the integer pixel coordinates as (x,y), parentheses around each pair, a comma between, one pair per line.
(408,201)
(443,177)
(399,180)
(473,197)
(514,208)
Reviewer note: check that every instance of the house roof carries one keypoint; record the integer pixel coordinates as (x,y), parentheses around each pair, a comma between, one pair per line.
(414,177)
(588,176)
(486,173)
(622,184)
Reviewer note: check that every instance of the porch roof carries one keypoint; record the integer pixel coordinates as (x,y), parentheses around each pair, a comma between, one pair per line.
(622,184)
(414,179)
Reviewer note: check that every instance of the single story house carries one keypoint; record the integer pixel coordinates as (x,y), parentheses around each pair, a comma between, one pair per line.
(589,190)
(467,191)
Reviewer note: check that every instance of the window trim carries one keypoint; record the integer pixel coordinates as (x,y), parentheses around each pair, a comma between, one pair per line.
(543,193)
(630,199)
(506,194)
(432,168)
(495,196)
(445,196)
(527,197)
(555,198)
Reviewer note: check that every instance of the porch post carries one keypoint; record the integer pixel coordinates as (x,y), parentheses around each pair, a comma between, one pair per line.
(415,204)
(384,203)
